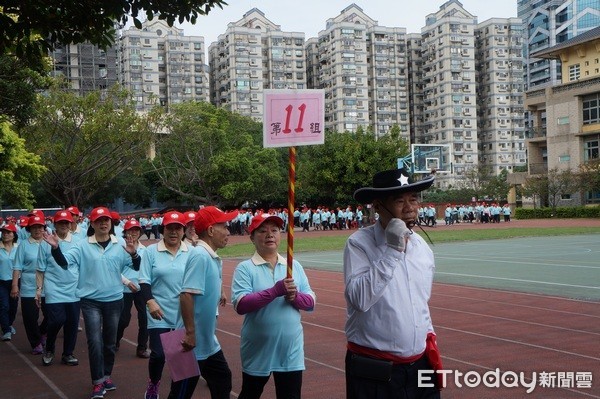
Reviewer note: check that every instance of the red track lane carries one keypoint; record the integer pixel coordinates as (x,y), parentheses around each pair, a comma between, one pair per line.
(478,330)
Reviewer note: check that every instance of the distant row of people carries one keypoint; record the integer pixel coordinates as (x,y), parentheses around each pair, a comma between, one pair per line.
(477,213)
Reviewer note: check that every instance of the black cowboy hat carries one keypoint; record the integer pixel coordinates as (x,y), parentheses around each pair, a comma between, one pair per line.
(393,181)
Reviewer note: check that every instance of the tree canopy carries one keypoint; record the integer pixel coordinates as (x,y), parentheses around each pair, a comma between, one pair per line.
(330,173)
(27,28)
(86,142)
(19,85)
(211,155)
(18,169)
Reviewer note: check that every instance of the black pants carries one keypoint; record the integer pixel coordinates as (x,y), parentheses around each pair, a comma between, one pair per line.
(63,315)
(403,385)
(288,385)
(31,315)
(217,374)
(156,363)
(129,299)
(8,306)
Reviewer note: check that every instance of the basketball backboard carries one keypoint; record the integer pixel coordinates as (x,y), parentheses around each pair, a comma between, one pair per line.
(431,157)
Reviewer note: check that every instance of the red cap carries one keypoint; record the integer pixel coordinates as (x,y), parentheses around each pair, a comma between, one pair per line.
(99,212)
(74,210)
(10,227)
(62,216)
(23,221)
(190,216)
(210,215)
(173,217)
(130,224)
(115,215)
(36,212)
(35,221)
(263,217)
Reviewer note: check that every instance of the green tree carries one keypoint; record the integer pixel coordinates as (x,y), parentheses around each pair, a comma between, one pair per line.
(213,156)
(589,176)
(560,183)
(497,186)
(86,142)
(29,28)
(477,178)
(536,187)
(19,85)
(18,169)
(329,174)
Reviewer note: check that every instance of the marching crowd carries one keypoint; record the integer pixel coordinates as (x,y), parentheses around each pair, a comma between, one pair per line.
(97,266)
(62,266)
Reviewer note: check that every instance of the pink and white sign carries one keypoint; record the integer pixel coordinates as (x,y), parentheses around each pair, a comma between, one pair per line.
(293,118)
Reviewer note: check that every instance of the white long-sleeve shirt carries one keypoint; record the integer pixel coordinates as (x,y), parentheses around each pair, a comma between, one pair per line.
(387,292)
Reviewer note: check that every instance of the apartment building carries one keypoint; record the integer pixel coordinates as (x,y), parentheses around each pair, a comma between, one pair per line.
(547,23)
(388,80)
(252,55)
(500,85)
(450,87)
(415,86)
(362,67)
(566,115)
(85,67)
(160,65)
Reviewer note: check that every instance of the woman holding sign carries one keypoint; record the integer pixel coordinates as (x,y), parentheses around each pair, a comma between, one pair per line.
(272,338)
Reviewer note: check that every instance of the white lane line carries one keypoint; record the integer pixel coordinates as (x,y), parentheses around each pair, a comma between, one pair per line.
(36,370)
(519,280)
(514,262)
(549,326)
(512,341)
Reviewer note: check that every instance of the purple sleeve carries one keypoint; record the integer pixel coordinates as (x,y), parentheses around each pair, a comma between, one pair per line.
(303,301)
(258,300)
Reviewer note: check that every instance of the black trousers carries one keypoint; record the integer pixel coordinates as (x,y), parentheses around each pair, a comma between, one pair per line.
(31,313)
(217,374)
(288,385)
(403,384)
(129,299)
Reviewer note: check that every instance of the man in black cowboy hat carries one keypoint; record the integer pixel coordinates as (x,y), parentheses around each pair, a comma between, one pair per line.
(388,272)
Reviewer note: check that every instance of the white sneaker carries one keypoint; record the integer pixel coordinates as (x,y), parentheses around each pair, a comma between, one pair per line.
(7,336)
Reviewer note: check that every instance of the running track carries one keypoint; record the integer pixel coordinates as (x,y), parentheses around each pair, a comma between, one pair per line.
(479,330)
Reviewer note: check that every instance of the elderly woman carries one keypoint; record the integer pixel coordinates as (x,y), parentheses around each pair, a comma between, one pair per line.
(132,295)
(100,260)
(24,267)
(161,275)
(8,305)
(272,340)
(59,287)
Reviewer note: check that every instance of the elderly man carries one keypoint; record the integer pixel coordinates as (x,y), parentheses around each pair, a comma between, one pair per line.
(388,272)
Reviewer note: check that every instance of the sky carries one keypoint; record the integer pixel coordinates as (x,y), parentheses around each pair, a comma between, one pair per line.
(310,16)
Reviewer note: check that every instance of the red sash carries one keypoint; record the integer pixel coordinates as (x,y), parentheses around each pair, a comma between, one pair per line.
(435,359)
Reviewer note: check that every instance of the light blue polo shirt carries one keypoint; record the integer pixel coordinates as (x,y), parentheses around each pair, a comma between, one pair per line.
(26,262)
(272,338)
(131,274)
(6,261)
(203,277)
(99,268)
(60,285)
(164,273)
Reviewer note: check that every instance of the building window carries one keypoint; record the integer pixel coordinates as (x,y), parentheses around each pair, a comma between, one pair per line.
(591,109)
(574,72)
(591,148)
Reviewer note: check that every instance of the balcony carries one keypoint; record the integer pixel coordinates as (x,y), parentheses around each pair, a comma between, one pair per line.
(535,132)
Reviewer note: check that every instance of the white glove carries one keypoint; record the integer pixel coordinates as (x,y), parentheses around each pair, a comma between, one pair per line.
(395,234)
